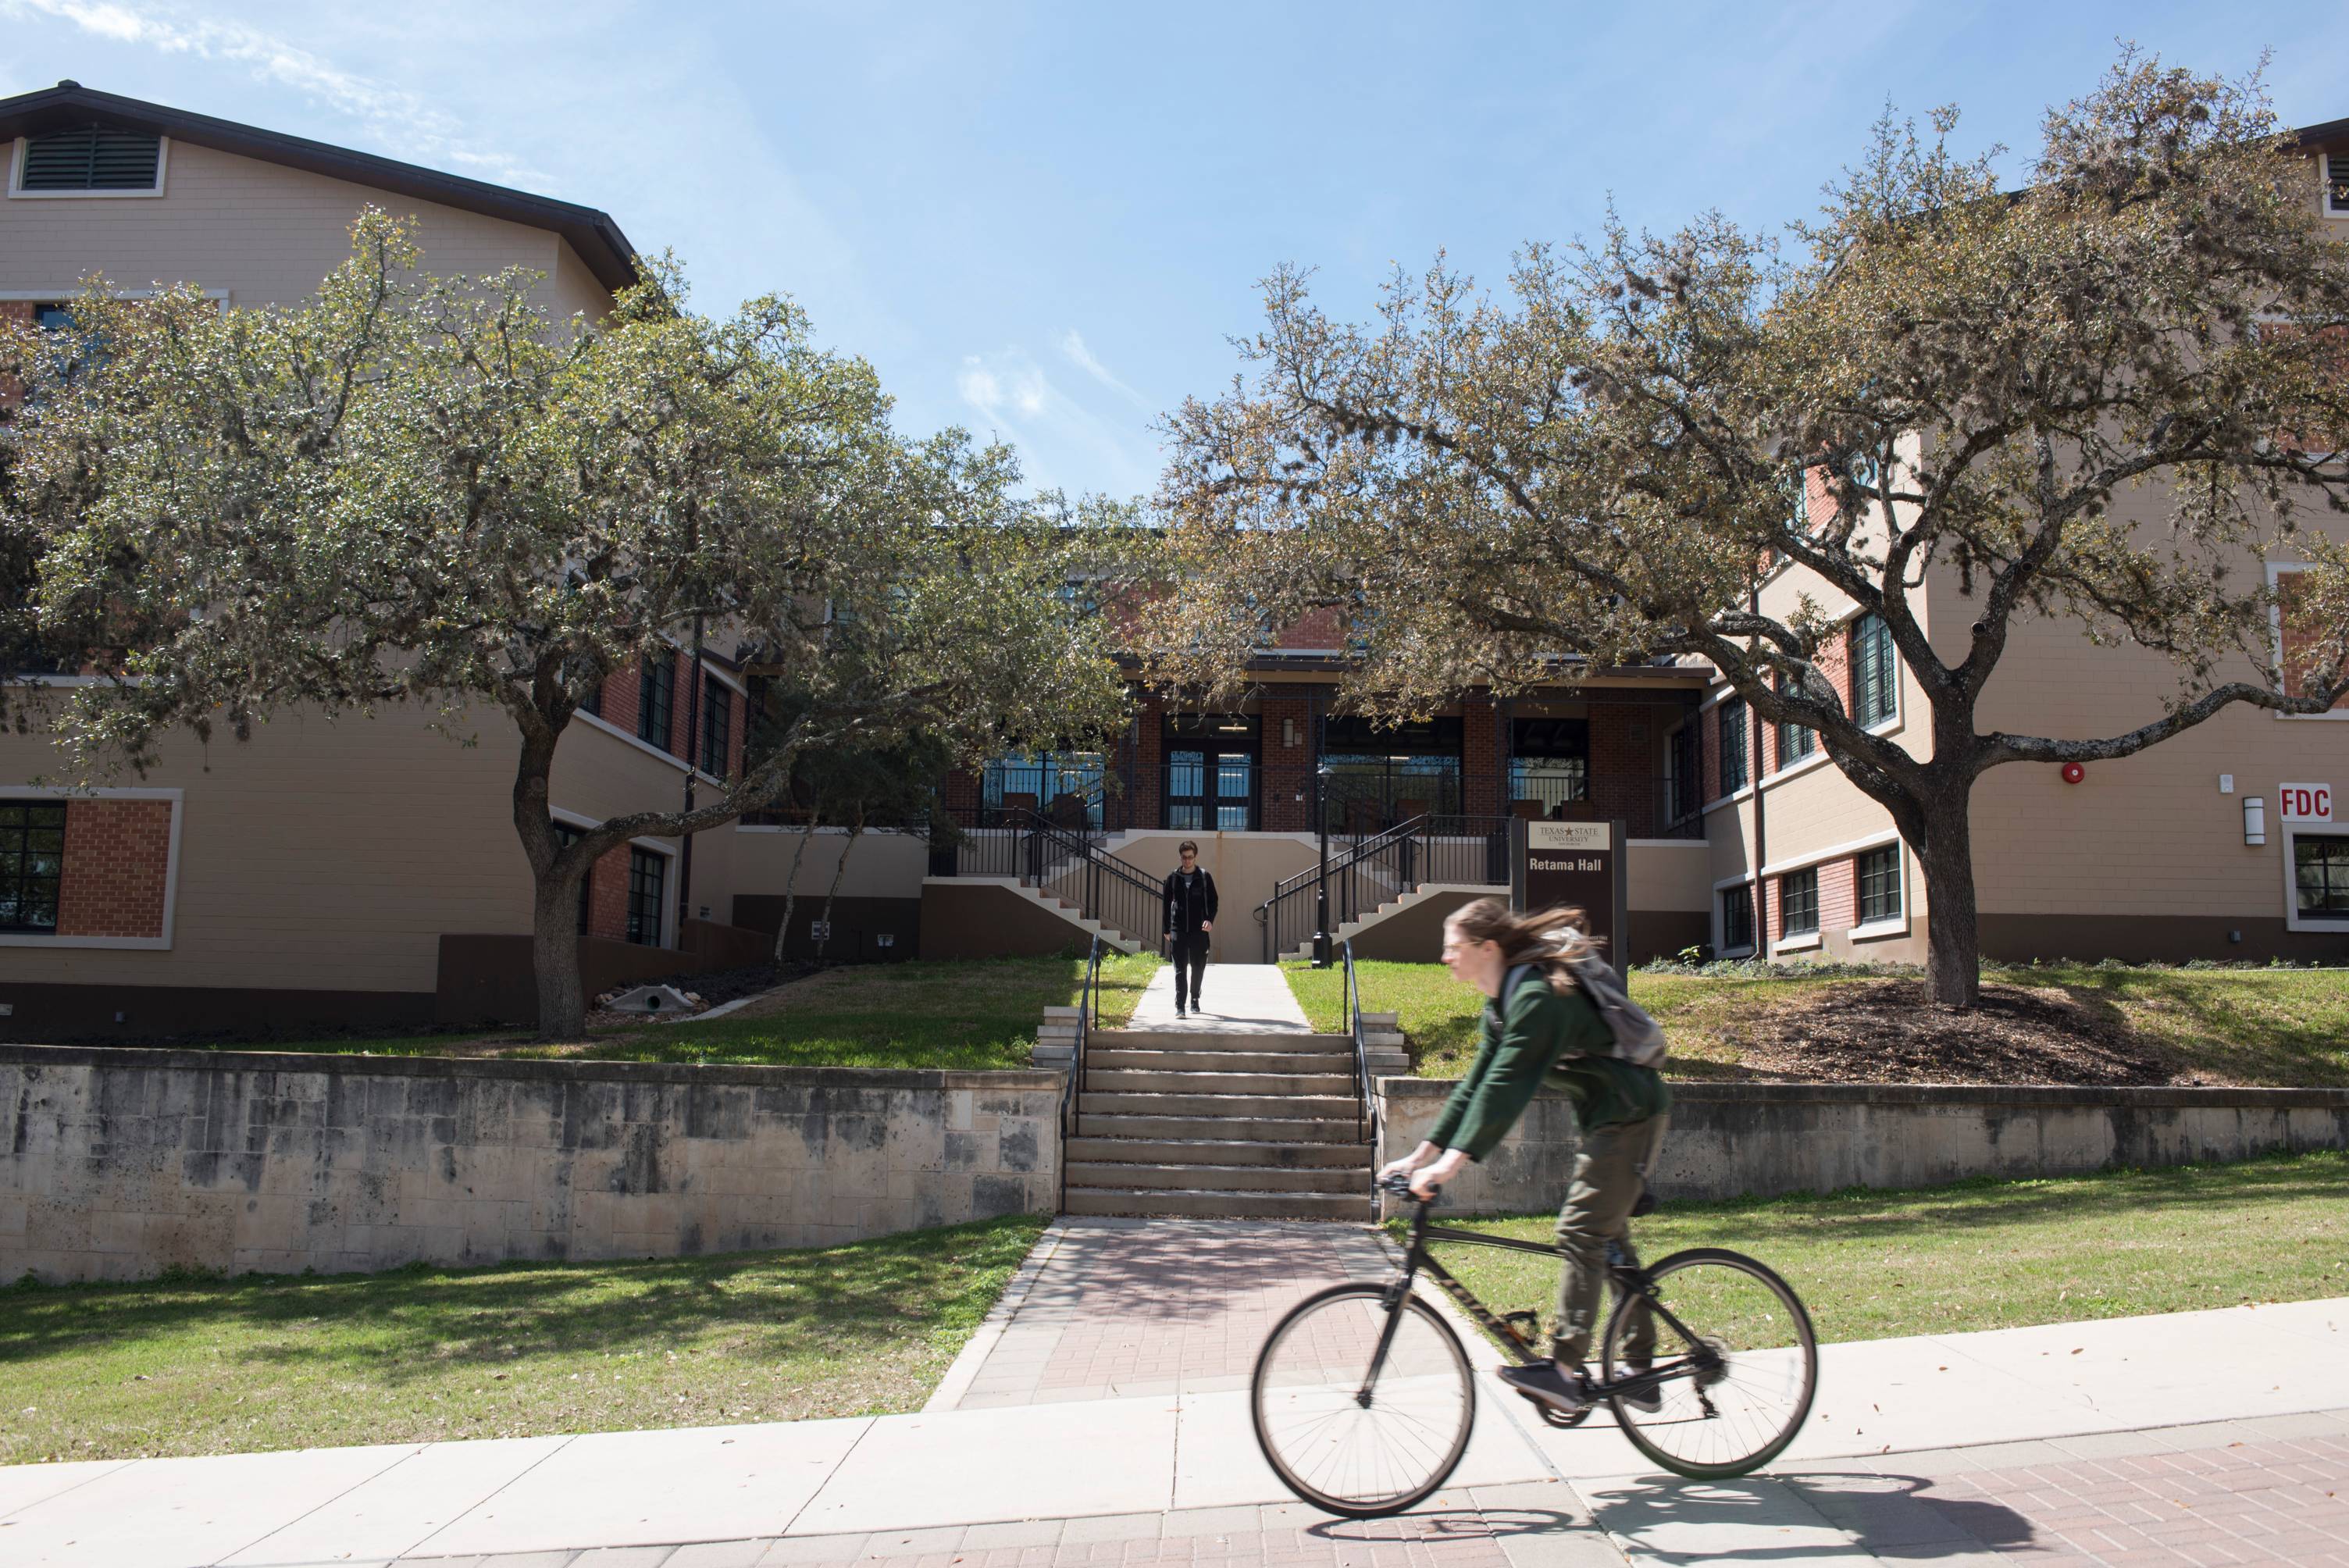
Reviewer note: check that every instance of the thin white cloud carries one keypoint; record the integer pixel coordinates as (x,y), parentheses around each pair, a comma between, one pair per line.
(394,115)
(1072,343)
(1011,393)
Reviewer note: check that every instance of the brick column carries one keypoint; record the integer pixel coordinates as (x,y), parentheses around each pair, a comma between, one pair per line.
(1288,769)
(1483,791)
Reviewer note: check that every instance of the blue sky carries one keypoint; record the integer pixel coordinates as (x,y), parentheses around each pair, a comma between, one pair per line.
(1046,221)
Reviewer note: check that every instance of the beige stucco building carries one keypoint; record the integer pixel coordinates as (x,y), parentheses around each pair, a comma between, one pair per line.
(2221,843)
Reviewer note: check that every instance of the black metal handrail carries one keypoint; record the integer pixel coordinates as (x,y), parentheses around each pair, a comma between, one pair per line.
(1368,1121)
(1472,851)
(1067,866)
(1088,999)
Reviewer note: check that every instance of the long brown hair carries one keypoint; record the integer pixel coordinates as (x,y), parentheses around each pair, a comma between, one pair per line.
(1551,937)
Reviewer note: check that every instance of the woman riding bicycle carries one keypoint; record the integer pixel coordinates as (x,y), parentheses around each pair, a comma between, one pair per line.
(1542,1026)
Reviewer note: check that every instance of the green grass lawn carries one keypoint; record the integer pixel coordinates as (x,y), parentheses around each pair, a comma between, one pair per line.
(963,1015)
(207,1367)
(1991,1255)
(2284,1026)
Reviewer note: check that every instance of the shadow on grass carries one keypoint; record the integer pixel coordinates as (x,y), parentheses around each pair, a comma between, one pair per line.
(412,1324)
(2280,1027)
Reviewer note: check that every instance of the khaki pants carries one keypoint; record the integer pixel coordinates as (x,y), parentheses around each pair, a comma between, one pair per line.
(1609,1177)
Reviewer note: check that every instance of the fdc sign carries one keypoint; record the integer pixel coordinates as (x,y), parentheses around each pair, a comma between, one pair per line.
(1579,864)
(2304,802)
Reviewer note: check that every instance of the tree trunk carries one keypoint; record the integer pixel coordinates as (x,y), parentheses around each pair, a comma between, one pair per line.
(792,887)
(839,872)
(554,960)
(1953,936)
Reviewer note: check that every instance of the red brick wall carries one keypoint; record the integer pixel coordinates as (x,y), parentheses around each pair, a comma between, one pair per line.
(1321,628)
(1149,752)
(682,710)
(962,794)
(1838,896)
(1288,769)
(620,698)
(607,894)
(1483,789)
(118,860)
(1626,741)
(2301,631)
(1835,663)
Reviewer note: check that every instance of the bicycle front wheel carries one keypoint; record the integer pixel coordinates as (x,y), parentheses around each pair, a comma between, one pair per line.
(1724,1354)
(1350,1429)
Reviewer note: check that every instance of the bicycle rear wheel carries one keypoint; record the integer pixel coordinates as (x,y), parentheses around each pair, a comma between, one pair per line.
(1344,1439)
(1733,1390)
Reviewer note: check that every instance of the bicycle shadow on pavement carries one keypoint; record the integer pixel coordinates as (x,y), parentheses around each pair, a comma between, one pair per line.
(1802,1514)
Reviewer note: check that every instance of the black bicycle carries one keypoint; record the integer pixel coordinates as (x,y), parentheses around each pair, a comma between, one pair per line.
(1363,1395)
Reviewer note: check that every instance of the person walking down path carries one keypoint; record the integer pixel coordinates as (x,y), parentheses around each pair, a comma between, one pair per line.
(1190,897)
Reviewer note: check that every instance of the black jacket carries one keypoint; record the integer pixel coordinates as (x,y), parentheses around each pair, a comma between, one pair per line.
(1187,906)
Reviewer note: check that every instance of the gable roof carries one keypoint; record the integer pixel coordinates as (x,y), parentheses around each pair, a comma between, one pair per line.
(68,105)
(2333,135)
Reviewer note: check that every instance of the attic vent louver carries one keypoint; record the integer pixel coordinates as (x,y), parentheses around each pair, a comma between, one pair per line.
(95,157)
(2336,181)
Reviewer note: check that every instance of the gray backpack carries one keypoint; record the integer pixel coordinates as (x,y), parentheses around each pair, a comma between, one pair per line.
(1638,1038)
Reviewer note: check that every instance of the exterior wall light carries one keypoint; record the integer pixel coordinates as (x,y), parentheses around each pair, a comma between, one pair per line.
(2255,819)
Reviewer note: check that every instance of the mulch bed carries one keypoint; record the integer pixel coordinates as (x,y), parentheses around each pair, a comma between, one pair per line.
(1887,1031)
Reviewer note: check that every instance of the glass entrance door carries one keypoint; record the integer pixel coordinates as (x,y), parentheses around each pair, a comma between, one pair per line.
(1209,790)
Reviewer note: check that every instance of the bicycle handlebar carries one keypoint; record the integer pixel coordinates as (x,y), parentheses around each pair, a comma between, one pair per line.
(1399,1186)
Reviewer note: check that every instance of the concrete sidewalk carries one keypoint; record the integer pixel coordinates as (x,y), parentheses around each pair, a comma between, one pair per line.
(1096,1474)
(1239,999)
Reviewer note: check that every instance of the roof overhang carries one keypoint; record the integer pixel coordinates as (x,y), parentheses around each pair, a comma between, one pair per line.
(592,234)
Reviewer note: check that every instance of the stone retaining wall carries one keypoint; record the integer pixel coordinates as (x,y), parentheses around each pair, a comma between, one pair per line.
(117,1163)
(1759,1140)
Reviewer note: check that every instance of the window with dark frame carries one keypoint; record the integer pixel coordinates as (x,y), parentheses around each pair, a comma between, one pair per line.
(566,835)
(91,158)
(1681,774)
(1798,901)
(2336,181)
(1734,734)
(1880,884)
(2320,870)
(648,872)
(1550,761)
(1796,742)
(1874,670)
(656,691)
(1736,917)
(31,864)
(716,732)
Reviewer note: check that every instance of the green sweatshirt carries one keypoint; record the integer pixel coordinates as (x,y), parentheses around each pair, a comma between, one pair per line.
(1543,1034)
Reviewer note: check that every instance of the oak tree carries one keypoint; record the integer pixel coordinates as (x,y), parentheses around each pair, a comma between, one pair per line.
(410,489)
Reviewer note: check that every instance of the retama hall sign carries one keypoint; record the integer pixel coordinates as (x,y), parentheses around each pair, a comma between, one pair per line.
(1578,863)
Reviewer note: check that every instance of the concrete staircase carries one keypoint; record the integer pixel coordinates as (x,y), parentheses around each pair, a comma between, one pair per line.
(1387,911)
(1210,1125)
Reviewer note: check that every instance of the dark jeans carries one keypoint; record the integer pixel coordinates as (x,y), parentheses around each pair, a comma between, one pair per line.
(1190,957)
(1609,1177)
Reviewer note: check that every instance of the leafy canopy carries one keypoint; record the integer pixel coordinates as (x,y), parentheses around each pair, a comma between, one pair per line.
(1937,374)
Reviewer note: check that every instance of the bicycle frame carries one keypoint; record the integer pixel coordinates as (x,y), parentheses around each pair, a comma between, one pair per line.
(1624,1280)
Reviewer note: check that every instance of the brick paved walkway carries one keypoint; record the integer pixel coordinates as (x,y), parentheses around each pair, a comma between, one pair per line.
(1118,1308)
(2256,1499)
